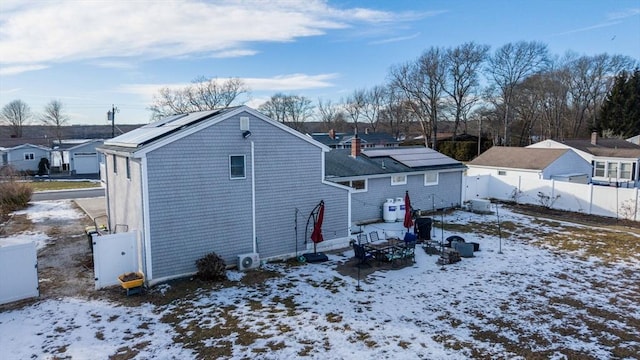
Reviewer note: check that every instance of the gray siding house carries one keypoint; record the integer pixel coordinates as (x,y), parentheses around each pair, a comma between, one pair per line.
(24,157)
(434,181)
(229,181)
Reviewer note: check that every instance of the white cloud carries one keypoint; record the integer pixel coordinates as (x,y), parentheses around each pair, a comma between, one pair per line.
(288,82)
(13,70)
(395,39)
(63,31)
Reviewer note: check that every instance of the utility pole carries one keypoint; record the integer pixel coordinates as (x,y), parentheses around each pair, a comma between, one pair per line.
(111,116)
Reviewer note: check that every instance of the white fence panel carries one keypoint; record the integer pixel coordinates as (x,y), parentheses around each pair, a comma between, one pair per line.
(502,187)
(476,187)
(18,272)
(588,199)
(114,255)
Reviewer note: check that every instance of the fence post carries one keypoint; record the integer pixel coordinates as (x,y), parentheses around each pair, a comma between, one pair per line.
(553,192)
(635,207)
(590,198)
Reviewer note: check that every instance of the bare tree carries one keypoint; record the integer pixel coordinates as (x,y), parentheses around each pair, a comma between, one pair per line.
(590,79)
(16,114)
(202,94)
(374,99)
(511,64)
(292,110)
(464,63)
(330,114)
(396,115)
(354,105)
(54,116)
(422,85)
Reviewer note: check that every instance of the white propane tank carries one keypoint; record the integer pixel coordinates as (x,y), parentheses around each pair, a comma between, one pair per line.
(400,209)
(389,211)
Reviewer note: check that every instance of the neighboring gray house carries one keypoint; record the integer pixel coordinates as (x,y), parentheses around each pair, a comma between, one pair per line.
(77,156)
(532,163)
(24,157)
(229,181)
(434,181)
(613,161)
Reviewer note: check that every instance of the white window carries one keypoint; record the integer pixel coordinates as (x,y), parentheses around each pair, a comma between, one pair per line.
(237,169)
(502,172)
(29,156)
(431,178)
(625,171)
(357,185)
(115,164)
(612,170)
(398,179)
(599,169)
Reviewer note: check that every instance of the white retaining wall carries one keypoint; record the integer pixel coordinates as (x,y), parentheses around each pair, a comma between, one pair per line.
(588,199)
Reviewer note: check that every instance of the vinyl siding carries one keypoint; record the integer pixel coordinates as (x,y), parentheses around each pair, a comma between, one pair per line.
(367,206)
(15,158)
(195,208)
(124,195)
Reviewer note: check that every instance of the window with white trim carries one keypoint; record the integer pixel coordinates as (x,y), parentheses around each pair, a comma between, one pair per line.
(431,178)
(612,170)
(398,179)
(357,185)
(626,171)
(599,168)
(237,168)
(502,172)
(29,156)
(115,164)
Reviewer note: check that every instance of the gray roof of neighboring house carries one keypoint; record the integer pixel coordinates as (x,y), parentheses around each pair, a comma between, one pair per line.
(340,163)
(606,147)
(345,138)
(518,158)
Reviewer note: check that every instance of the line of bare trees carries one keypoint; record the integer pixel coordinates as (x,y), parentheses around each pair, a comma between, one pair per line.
(516,94)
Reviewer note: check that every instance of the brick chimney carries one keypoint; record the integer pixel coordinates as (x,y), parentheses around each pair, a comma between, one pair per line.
(355,146)
(594,138)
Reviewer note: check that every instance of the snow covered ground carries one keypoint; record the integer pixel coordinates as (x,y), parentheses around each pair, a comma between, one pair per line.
(529,301)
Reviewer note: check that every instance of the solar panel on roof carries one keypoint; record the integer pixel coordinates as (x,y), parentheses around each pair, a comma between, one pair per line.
(157,129)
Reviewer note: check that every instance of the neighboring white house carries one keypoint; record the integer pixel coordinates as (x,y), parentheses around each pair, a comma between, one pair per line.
(613,161)
(634,139)
(532,163)
(24,157)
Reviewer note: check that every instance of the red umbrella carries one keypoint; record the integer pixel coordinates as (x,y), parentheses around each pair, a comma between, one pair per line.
(316,235)
(408,222)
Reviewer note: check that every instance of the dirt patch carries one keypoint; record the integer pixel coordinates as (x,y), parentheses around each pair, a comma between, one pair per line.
(65,264)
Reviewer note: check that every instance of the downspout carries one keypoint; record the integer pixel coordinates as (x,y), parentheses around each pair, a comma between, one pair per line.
(253,199)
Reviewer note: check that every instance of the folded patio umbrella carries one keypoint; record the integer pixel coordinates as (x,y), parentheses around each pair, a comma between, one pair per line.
(408,221)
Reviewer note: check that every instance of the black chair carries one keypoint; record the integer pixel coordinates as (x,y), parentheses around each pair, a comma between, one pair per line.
(362,239)
(361,254)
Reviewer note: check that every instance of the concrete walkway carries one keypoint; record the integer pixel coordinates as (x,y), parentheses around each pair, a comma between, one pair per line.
(93,207)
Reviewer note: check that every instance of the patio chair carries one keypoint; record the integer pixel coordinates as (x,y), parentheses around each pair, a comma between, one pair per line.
(361,254)
(362,239)
(373,236)
(410,251)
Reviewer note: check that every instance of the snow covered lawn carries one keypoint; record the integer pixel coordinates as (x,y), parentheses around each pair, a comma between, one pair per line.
(556,291)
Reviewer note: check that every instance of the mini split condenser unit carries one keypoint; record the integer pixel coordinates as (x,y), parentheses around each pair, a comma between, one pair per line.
(248,261)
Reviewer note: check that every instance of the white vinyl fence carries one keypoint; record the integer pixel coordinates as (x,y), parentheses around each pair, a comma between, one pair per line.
(18,272)
(620,203)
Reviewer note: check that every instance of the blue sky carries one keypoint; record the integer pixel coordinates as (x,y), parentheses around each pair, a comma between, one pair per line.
(92,54)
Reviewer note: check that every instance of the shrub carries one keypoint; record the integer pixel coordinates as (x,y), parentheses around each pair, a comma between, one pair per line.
(14,196)
(211,267)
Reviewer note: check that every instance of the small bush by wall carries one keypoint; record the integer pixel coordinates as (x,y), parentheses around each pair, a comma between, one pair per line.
(14,196)
(211,267)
